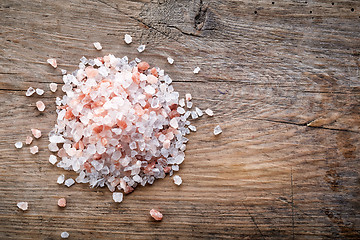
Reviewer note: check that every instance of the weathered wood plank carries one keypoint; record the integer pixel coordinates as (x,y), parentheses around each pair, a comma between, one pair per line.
(283,82)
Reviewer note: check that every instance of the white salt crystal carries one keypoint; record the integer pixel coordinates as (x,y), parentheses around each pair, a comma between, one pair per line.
(137,60)
(69,182)
(175,167)
(180,110)
(196,70)
(52,159)
(188,97)
(40,106)
(174,123)
(117,197)
(53,87)
(137,178)
(63,71)
(189,104)
(209,112)
(177,180)
(194,115)
(97,45)
(52,62)
(141,48)
(199,112)
(22,205)
(217,130)
(53,147)
(65,235)
(34,149)
(30,91)
(127,39)
(61,179)
(149,89)
(170,60)
(182,102)
(39,91)
(18,144)
(192,128)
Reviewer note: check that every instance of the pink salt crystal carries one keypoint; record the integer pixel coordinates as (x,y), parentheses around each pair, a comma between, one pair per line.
(52,62)
(34,149)
(62,202)
(22,205)
(53,87)
(152,79)
(40,106)
(166,144)
(29,139)
(156,215)
(36,132)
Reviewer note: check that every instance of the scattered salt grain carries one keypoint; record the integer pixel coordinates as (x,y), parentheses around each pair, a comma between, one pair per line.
(23,205)
(39,91)
(209,112)
(177,180)
(62,202)
(192,128)
(188,97)
(40,106)
(53,147)
(52,159)
(156,215)
(182,102)
(65,235)
(217,130)
(97,45)
(63,71)
(34,149)
(30,91)
(141,48)
(52,62)
(189,104)
(53,87)
(127,39)
(69,182)
(18,144)
(61,179)
(117,197)
(196,70)
(28,140)
(174,123)
(170,60)
(36,132)
(199,112)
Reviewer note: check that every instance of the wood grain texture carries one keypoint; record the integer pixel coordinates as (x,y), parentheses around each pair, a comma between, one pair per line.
(282,77)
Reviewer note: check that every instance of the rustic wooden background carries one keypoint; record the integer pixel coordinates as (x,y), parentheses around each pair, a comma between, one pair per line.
(282,77)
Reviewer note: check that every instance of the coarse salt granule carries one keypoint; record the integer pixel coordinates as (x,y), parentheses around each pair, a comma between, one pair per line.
(52,62)
(62,202)
(40,106)
(36,132)
(141,48)
(188,97)
(192,128)
(63,71)
(23,205)
(196,70)
(61,179)
(117,197)
(209,112)
(127,39)
(52,159)
(217,130)
(39,91)
(170,60)
(34,149)
(28,140)
(177,180)
(156,215)
(53,87)
(97,45)
(64,235)
(69,182)
(30,91)
(199,112)
(19,145)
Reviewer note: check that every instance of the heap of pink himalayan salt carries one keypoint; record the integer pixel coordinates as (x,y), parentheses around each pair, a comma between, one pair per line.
(120,124)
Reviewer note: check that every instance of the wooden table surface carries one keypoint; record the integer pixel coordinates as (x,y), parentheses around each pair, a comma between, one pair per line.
(282,77)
